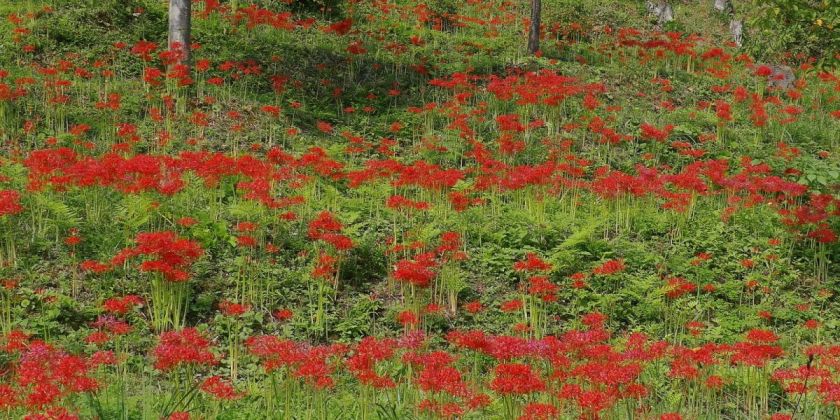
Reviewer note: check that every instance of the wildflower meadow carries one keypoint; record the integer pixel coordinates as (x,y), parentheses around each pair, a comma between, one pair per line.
(419,209)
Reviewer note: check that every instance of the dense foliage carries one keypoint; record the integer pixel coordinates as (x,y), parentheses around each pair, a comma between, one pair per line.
(383,209)
(797,28)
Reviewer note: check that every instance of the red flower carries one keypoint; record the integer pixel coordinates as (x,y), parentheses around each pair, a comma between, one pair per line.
(168,254)
(407,318)
(539,411)
(246,241)
(325,227)
(417,272)
(177,348)
(283,314)
(652,133)
(122,305)
(9,202)
(219,388)
(233,309)
(473,307)
(811,324)
(341,27)
(609,267)
(324,127)
(187,222)
(517,379)
(94,266)
(762,336)
(763,71)
(532,262)
(714,382)
(511,305)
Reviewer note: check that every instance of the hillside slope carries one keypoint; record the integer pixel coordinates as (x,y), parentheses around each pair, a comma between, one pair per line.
(386,209)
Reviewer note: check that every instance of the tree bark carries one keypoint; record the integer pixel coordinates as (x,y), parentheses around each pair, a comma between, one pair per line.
(179,29)
(534,33)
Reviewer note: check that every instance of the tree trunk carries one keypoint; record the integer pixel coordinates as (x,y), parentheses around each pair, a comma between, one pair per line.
(736,28)
(179,29)
(534,33)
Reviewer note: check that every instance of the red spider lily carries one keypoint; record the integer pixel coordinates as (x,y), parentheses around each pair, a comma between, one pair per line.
(112,325)
(184,347)
(97,338)
(539,411)
(144,49)
(532,262)
(95,266)
(187,222)
(324,127)
(758,355)
(450,242)
(761,336)
(678,286)
(474,340)
(102,358)
(166,253)
(511,305)
(271,110)
(232,309)
(10,202)
(219,389)
(723,111)
(609,267)
(341,27)
(516,379)
(543,288)
(326,227)
(363,363)
(650,132)
(46,375)
(408,319)
(594,320)
(283,314)
(473,307)
(356,48)
(811,324)
(398,202)
(326,267)
(417,272)
(437,377)
(122,305)
(509,122)
(246,241)
(314,368)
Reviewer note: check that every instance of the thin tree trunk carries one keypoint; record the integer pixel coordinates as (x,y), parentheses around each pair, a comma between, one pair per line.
(179,29)
(534,33)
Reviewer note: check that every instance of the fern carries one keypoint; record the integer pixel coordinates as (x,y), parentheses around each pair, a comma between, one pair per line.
(583,233)
(133,212)
(59,212)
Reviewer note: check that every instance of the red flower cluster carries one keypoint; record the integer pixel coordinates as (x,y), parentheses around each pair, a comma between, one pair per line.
(122,305)
(10,202)
(187,346)
(326,228)
(165,253)
(609,267)
(516,378)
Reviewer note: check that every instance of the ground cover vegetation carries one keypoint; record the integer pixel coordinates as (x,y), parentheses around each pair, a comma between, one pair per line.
(378,209)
